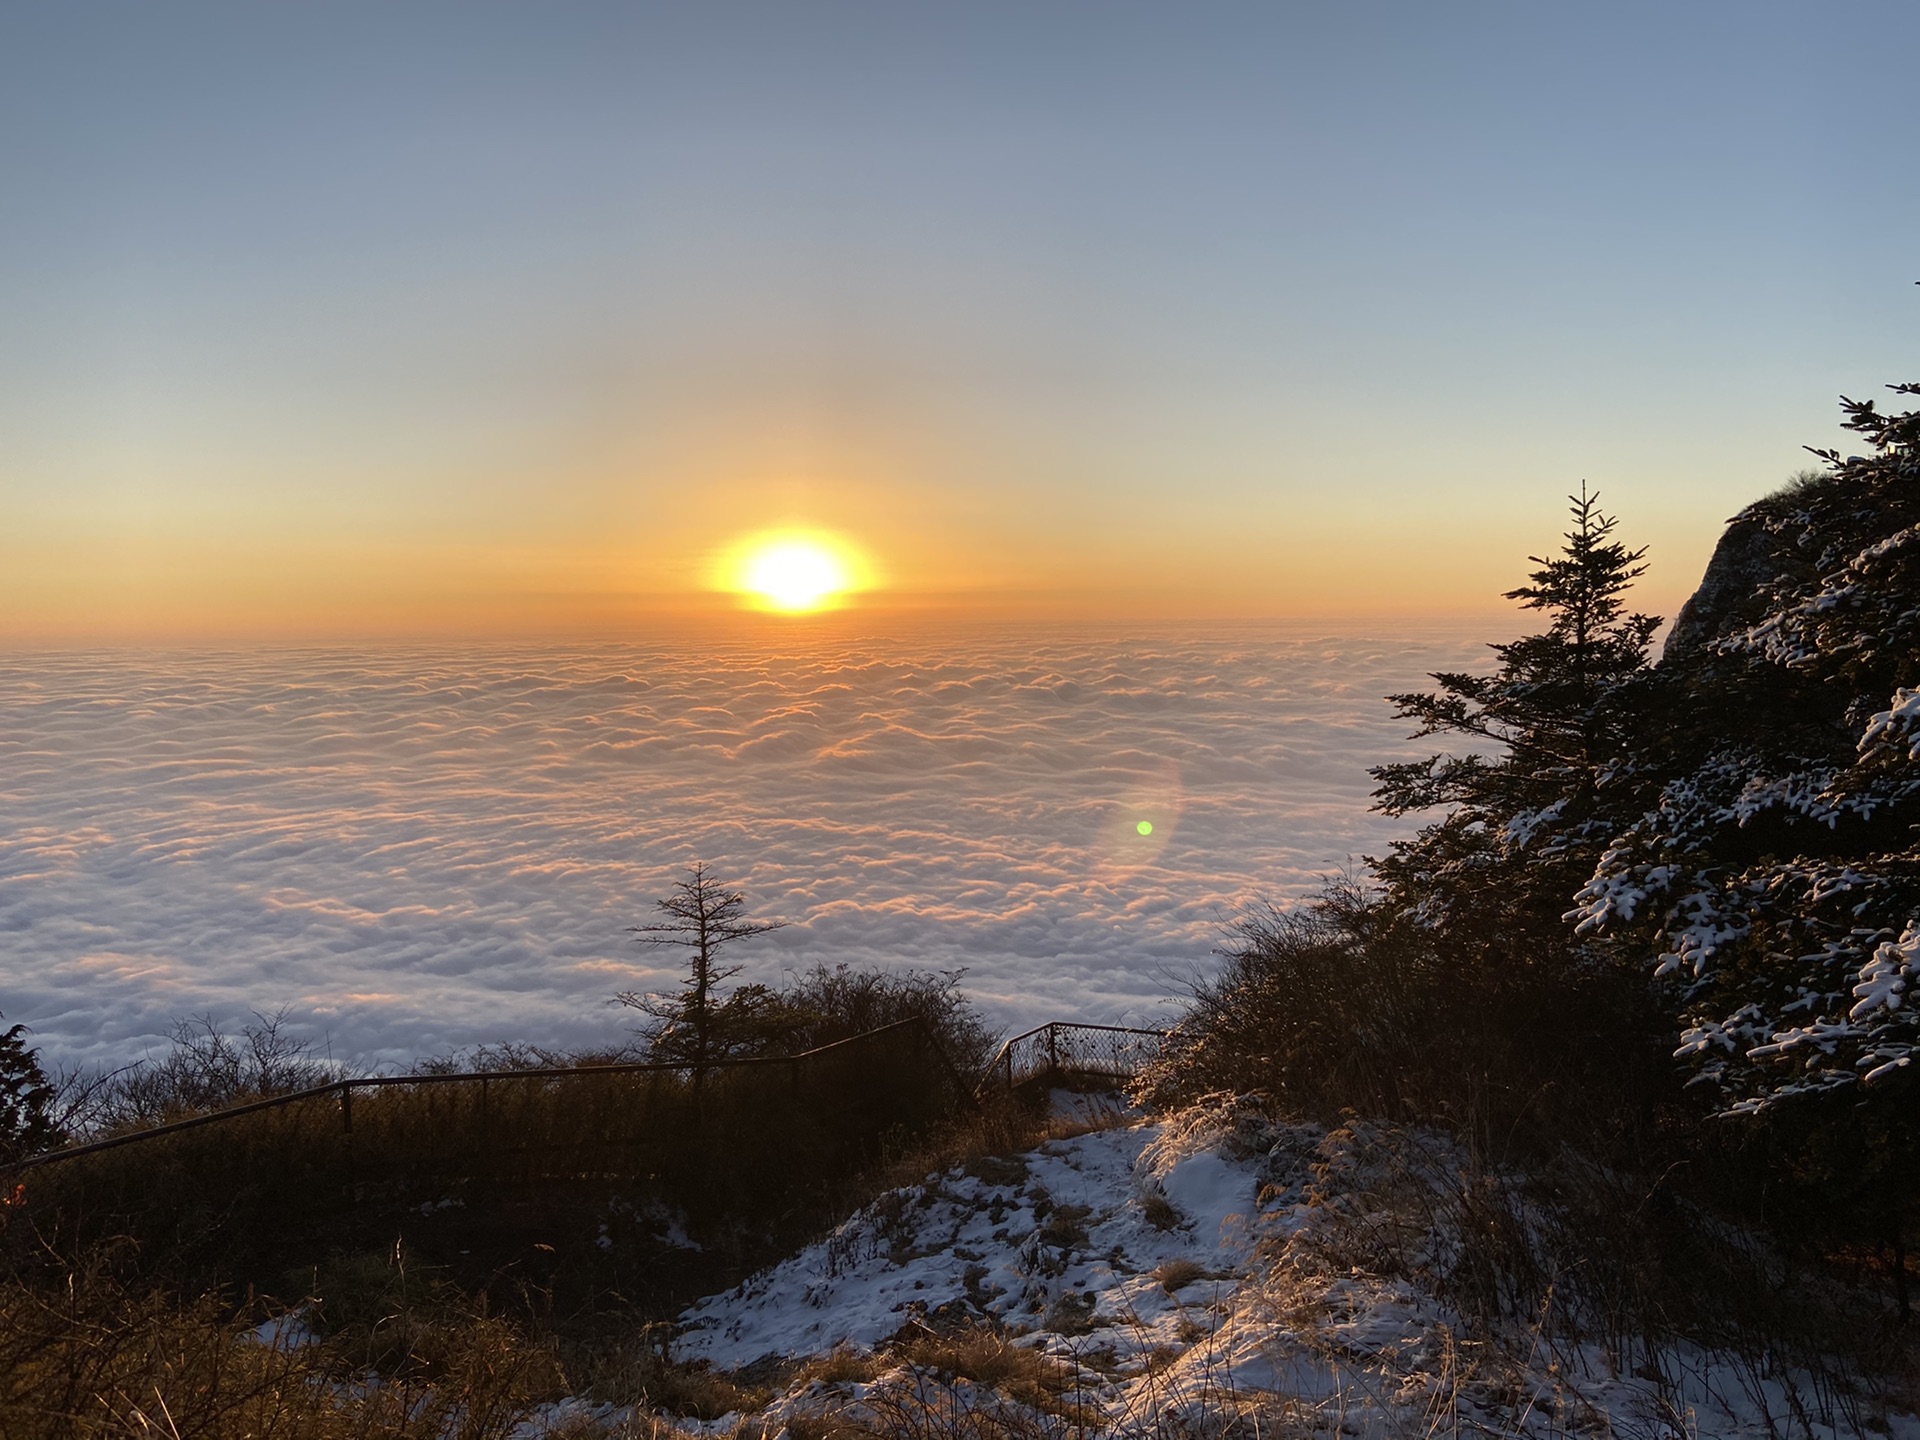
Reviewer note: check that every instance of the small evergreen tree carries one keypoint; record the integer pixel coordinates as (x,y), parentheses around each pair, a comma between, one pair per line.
(27,1125)
(1525,814)
(694,1025)
(1455,991)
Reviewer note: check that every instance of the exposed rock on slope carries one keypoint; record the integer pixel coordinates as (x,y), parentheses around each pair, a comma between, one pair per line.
(1732,593)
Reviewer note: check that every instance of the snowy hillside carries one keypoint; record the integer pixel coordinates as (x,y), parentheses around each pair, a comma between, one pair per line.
(1174,1275)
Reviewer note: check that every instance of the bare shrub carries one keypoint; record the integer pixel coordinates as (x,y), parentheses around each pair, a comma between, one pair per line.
(205,1068)
(840,1001)
(510,1055)
(1340,1006)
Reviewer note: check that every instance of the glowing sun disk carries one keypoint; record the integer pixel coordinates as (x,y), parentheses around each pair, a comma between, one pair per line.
(792,572)
(796,575)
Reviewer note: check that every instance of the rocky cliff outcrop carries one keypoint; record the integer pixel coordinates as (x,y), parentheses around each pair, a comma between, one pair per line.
(1750,559)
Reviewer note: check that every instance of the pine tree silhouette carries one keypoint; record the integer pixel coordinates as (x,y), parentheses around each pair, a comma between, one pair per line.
(27,1125)
(1555,714)
(692,1025)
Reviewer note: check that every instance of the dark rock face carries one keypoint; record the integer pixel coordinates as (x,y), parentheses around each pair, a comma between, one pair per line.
(1746,563)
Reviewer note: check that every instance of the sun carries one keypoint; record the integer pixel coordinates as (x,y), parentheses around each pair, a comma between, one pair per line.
(795,575)
(794,572)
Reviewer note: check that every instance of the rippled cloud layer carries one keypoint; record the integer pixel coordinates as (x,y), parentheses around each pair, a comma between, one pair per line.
(418,850)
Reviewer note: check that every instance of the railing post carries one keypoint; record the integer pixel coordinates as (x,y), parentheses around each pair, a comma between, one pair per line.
(346,1108)
(1053,1051)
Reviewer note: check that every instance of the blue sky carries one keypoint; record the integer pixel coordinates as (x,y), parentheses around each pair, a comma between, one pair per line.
(503,318)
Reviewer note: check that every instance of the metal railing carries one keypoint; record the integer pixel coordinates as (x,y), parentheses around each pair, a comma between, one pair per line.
(1066,1050)
(1061,1050)
(483,1084)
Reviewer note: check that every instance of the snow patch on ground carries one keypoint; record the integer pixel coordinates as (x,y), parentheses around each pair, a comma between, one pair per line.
(1055,1242)
(1179,1271)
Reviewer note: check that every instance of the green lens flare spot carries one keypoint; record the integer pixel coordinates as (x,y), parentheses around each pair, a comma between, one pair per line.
(1145,827)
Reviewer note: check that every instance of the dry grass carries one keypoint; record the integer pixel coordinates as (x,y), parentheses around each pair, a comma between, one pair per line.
(987,1141)
(826,1425)
(841,1366)
(627,1366)
(104,1361)
(1175,1275)
(1161,1212)
(1090,1114)
(971,1385)
(989,1358)
(934,1410)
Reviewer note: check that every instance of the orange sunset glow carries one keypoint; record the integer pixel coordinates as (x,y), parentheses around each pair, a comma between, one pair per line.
(292,367)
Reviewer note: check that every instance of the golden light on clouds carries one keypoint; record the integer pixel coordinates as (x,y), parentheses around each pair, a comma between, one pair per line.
(793,572)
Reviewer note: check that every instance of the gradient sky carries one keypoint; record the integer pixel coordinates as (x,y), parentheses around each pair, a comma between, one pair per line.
(500,319)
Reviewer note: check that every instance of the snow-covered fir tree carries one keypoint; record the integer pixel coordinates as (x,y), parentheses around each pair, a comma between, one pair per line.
(1766,864)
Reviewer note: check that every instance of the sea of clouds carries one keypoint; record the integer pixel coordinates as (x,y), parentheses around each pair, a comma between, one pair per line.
(419,849)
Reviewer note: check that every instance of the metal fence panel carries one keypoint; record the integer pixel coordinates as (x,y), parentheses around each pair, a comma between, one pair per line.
(1068,1051)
